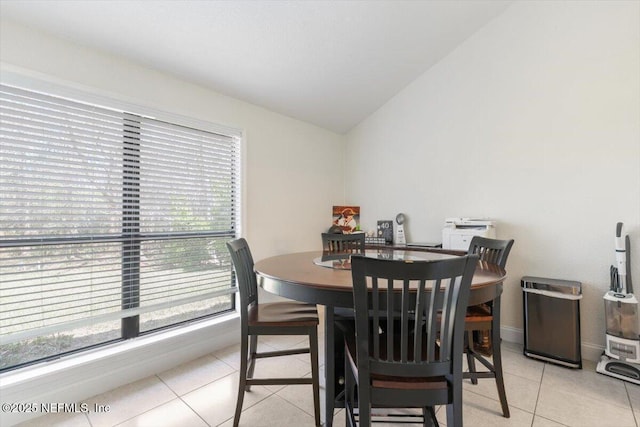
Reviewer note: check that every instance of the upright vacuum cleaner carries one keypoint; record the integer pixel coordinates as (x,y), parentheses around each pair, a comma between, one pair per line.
(621,358)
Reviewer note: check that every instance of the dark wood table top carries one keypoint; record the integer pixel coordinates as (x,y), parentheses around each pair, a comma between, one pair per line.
(296,276)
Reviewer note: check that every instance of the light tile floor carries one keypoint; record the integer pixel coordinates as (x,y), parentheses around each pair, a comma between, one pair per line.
(203,393)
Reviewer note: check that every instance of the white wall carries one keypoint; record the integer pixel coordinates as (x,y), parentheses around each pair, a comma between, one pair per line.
(535,122)
(293,177)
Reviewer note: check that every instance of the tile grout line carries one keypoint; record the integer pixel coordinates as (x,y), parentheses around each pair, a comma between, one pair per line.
(535,408)
(150,409)
(633,412)
(195,412)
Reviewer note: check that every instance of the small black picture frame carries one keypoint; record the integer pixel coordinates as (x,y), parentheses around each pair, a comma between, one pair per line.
(385,230)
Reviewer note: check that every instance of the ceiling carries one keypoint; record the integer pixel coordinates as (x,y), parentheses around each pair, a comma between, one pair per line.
(330,63)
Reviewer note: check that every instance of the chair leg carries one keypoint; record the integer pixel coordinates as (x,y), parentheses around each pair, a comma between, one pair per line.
(429,417)
(364,405)
(253,349)
(496,342)
(497,365)
(348,394)
(454,409)
(313,347)
(454,415)
(471,361)
(242,382)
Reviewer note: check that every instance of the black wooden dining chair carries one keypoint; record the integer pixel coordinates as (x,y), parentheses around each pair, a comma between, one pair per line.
(481,339)
(277,318)
(416,360)
(343,243)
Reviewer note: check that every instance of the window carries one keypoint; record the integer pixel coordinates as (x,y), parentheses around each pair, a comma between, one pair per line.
(112,223)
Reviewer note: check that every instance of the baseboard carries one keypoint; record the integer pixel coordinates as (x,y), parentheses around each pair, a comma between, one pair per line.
(79,377)
(513,335)
(592,352)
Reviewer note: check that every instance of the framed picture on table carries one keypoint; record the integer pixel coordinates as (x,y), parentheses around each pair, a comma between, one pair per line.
(347,218)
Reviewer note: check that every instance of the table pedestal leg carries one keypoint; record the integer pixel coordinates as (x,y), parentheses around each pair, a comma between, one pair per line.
(329,365)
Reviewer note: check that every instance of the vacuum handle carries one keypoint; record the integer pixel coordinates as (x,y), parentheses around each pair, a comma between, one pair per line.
(621,259)
(627,244)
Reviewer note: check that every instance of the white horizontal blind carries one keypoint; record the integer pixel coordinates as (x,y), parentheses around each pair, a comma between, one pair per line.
(107,214)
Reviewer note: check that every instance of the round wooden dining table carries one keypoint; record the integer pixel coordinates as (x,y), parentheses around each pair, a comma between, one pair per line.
(312,278)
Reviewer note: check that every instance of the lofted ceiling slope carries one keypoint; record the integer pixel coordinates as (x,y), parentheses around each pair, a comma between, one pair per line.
(330,63)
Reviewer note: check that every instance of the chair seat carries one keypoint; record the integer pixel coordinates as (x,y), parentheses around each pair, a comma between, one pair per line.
(478,314)
(404,383)
(289,313)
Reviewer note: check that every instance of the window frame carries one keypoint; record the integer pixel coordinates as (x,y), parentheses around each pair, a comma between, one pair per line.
(90,96)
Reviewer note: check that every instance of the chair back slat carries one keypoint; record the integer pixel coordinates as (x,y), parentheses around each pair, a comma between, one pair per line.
(389,317)
(405,311)
(343,243)
(493,251)
(375,296)
(410,315)
(245,274)
(448,317)
(420,311)
(431,322)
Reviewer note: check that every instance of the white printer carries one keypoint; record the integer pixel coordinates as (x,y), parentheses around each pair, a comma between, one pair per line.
(458,232)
